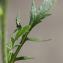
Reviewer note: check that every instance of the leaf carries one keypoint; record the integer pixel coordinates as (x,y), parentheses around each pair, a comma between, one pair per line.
(46,6)
(9,50)
(39,18)
(45,15)
(12,40)
(22,58)
(33,39)
(33,12)
(16,45)
(38,40)
(43,10)
(21,31)
(41,13)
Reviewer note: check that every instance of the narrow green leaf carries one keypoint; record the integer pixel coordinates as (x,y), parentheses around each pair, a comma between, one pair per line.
(46,6)
(33,12)
(44,16)
(20,32)
(22,58)
(12,40)
(37,40)
(33,39)
(16,45)
(41,13)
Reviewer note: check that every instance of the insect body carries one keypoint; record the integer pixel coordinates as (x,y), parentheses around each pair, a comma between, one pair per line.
(18,22)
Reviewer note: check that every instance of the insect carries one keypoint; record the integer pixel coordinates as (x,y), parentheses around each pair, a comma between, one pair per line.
(18,19)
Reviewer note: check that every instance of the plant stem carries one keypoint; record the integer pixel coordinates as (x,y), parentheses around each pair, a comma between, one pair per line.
(18,49)
(2,19)
(24,38)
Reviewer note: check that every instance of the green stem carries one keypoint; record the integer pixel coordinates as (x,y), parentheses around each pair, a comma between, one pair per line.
(2,20)
(18,49)
(24,38)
